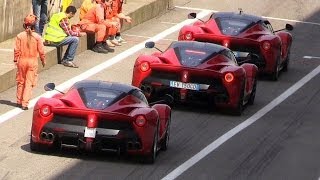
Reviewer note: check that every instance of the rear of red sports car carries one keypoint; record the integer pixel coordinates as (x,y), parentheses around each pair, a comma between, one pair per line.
(94,119)
(243,34)
(191,71)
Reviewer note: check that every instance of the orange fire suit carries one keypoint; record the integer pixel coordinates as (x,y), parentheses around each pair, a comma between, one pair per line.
(94,21)
(86,6)
(26,57)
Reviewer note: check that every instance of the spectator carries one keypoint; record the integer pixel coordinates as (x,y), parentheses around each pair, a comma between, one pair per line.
(109,15)
(28,46)
(40,10)
(86,6)
(120,17)
(59,33)
(94,21)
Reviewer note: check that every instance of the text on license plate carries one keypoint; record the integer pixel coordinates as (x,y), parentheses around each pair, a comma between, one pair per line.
(90,132)
(182,85)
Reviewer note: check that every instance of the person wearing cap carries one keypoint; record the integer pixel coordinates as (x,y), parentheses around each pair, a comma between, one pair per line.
(95,22)
(59,32)
(28,47)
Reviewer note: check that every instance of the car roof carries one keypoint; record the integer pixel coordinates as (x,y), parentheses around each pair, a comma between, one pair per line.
(104,84)
(196,44)
(233,15)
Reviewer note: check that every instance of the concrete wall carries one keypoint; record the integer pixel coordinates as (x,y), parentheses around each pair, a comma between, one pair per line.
(12,13)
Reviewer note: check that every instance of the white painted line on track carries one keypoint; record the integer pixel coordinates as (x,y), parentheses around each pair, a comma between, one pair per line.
(215,144)
(6,116)
(311,57)
(147,37)
(267,17)
(7,50)
(168,23)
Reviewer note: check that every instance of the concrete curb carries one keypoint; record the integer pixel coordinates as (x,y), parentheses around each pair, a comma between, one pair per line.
(143,12)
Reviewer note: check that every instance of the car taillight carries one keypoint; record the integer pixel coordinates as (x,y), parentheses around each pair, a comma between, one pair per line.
(266,45)
(188,36)
(228,77)
(45,110)
(225,43)
(140,121)
(144,66)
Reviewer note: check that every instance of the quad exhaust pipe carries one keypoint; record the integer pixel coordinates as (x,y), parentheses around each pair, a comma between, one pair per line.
(146,88)
(134,145)
(47,136)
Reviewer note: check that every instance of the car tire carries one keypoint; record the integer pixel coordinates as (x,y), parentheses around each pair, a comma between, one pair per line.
(286,63)
(151,158)
(253,92)
(240,106)
(36,147)
(275,74)
(165,141)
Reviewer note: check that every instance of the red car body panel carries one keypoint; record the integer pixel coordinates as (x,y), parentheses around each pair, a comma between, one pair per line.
(253,38)
(70,116)
(166,66)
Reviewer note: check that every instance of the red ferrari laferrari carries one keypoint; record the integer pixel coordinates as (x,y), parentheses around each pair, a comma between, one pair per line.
(243,34)
(101,116)
(196,71)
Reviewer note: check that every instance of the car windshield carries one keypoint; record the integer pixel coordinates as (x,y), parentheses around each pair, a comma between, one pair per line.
(192,54)
(98,98)
(233,26)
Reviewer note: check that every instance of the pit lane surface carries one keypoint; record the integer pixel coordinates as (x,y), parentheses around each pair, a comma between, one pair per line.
(280,145)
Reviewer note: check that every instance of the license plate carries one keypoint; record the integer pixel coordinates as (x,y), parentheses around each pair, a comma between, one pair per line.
(90,132)
(182,85)
(239,54)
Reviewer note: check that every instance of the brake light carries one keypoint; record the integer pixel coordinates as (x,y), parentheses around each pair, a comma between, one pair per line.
(144,66)
(188,36)
(228,77)
(266,45)
(45,110)
(225,43)
(140,121)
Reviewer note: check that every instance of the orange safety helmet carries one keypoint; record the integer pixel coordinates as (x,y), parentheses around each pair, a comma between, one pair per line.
(30,20)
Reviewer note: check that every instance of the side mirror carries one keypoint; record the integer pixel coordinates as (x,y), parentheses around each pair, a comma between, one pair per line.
(192,15)
(289,27)
(149,44)
(49,87)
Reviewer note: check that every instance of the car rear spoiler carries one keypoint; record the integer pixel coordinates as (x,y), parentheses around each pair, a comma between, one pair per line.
(180,69)
(227,41)
(76,112)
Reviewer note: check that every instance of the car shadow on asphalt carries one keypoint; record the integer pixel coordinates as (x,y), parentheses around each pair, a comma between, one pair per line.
(110,157)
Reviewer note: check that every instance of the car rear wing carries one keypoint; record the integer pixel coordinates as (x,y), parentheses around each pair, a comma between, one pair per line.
(84,113)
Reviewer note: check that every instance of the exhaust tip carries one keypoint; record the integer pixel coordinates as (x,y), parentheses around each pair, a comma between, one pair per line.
(43,135)
(50,136)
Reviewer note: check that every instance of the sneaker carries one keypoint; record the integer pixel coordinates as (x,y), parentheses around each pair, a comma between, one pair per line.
(19,105)
(99,48)
(24,108)
(120,40)
(69,64)
(106,47)
(115,42)
(110,44)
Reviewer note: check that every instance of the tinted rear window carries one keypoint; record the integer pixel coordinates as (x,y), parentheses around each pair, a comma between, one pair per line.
(192,54)
(232,26)
(99,98)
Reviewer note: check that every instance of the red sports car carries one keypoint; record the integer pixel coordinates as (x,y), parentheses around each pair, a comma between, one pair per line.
(196,71)
(97,115)
(243,34)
